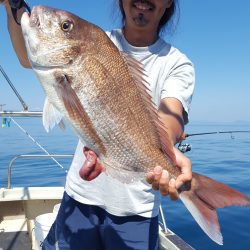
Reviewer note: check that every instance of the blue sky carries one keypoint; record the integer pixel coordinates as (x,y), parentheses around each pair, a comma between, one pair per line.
(214,34)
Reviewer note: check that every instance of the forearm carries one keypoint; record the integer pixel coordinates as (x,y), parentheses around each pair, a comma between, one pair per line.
(171,111)
(17,36)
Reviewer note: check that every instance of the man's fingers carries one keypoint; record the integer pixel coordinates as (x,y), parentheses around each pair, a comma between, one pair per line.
(186,174)
(153,177)
(159,179)
(163,183)
(182,179)
(172,190)
(86,151)
(157,176)
(98,168)
(88,165)
(150,177)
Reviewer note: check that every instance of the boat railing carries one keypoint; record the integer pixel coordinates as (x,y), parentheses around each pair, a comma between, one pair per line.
(162,221)
(33,156)
(21,113)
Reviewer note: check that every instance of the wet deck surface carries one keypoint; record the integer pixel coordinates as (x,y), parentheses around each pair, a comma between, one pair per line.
(14,241)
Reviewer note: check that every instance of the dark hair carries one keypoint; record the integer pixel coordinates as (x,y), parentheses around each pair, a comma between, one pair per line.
(165,18)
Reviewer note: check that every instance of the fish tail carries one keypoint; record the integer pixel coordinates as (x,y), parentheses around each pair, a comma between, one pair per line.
(202,198)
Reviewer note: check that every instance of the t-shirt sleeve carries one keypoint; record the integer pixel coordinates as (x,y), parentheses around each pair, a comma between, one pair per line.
(180,83)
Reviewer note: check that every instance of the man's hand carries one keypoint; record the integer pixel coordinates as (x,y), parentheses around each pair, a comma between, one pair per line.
(91,167)
(160,180)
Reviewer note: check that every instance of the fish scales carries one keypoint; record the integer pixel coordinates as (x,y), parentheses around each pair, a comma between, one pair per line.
(108,94)
(117,114)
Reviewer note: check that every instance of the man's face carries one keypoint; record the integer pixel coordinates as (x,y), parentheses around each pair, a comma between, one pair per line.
(145,13)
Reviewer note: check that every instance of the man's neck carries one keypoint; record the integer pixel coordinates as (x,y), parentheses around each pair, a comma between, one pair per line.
(140,38)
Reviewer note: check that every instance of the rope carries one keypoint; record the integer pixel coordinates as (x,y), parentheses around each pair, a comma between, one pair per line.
(39,145)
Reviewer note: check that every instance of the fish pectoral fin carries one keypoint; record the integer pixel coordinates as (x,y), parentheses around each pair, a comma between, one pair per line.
(202,199)
(51,116)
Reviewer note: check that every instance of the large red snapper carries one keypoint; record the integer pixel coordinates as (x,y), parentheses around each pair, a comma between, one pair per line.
(101,92)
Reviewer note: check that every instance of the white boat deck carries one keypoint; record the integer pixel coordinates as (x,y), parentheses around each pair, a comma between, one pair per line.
(18,209)
(20,206)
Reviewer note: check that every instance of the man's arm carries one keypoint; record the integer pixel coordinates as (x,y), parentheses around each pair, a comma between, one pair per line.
(171,113)
(16,35)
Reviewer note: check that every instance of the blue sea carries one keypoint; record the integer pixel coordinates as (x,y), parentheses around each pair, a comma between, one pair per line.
(224,157)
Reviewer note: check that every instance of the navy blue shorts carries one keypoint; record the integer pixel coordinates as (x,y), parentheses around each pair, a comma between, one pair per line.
(86,227)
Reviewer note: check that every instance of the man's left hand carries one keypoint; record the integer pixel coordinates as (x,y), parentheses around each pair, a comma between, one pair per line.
(161,181)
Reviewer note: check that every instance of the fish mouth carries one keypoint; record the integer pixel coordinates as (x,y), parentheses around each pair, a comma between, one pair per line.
(31,43)
(32,18)
(36,17)
(143,5)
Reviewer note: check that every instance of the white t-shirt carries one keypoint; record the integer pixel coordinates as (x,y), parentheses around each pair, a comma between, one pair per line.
(170,74)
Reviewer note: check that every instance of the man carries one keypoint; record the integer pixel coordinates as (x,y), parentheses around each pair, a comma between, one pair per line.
(104,214)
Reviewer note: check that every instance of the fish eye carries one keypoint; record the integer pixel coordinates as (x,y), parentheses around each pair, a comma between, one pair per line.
(66,26)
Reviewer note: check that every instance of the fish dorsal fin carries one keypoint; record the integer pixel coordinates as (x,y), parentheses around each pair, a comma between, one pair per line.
(139,75)
(51,116)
